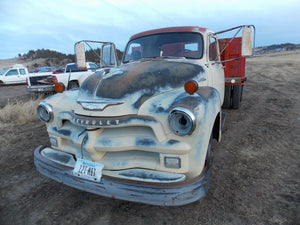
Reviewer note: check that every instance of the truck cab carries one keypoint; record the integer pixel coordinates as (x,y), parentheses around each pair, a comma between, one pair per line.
(182,44)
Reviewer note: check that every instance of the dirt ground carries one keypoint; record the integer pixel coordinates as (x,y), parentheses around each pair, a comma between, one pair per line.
(255,177)
(13,93)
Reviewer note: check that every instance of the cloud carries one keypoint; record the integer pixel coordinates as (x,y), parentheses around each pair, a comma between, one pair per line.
(58,24)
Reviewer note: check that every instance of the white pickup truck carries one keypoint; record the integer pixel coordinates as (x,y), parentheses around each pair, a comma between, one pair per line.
(71,78)
(15,75)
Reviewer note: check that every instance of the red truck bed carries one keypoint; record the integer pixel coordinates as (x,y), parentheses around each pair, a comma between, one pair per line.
(233,69)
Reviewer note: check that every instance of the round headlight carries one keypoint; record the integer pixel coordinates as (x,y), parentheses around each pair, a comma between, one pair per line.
(45,112)
(181,121)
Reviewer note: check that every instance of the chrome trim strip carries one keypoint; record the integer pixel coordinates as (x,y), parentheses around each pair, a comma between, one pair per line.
(48,108)
(188,113)
(97,104)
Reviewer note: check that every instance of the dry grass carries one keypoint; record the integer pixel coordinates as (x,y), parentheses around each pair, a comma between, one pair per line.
(19,112)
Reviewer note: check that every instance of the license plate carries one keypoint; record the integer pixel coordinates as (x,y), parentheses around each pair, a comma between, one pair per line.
(88,170)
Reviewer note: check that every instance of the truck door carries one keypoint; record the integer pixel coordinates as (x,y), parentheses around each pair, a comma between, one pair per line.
(215,66)
(22,75)
(12,76)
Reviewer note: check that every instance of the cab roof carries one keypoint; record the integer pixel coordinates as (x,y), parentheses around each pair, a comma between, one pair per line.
(171,29)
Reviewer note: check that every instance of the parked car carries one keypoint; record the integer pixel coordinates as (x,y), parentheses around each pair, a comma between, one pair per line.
(71,76)
(15,75)
(58,71)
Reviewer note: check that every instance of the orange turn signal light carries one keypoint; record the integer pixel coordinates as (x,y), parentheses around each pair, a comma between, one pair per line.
(59,87)
(191,87)
(54,79)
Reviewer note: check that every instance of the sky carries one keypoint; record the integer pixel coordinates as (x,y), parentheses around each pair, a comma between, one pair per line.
(57,24)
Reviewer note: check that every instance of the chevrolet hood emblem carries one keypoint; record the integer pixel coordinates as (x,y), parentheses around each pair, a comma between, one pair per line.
(97,104)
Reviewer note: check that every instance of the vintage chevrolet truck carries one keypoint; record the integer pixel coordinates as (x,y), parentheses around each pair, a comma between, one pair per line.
(144,131)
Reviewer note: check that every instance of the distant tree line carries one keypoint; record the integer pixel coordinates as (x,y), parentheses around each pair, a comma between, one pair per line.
(46,53)
(277,48)
(52,56)
(286,46)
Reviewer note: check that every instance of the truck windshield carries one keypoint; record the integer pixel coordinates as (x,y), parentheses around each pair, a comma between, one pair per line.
(72,68)
(174,44)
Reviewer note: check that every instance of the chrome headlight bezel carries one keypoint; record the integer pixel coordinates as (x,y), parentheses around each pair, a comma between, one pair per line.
(45,112)
(181,121)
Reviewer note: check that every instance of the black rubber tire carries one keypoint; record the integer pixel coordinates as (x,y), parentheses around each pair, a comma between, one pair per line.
(242,87)
(227,97)
(73,85)
(236,96)
(209,156)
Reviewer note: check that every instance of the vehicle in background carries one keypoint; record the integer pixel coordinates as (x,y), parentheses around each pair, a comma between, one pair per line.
(44,82)
(60,70)
(3,71)
(15,75)
(46,69)
(74,73)
(106,55)
(73,76)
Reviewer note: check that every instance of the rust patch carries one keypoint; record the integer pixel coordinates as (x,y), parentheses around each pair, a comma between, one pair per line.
(145,142)
(150,77)
(64,132)
(91,82)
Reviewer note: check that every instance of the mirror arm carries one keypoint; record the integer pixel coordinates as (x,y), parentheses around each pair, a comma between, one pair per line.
(93,50)
(229,60)
(231,40)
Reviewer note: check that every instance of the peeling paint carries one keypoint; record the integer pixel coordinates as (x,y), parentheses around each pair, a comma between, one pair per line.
(145,142)
(151,175)
(172,142)
(106,142)
(63,131)
(150,76)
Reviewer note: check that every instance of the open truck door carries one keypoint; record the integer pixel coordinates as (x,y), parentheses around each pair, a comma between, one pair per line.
(233,53)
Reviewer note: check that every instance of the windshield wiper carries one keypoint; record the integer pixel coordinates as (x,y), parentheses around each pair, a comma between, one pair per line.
(169,57)
(156,57)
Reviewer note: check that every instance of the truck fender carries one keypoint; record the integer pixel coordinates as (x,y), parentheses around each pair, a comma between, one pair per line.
(218,127)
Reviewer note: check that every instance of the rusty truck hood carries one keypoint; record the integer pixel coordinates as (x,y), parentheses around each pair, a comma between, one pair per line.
(132,84)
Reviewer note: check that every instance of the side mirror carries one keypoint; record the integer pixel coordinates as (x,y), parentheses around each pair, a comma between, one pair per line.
(247,41)
(80,56)
(108,57)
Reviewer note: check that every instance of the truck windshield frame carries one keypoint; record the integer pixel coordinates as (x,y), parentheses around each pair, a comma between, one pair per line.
(165,45)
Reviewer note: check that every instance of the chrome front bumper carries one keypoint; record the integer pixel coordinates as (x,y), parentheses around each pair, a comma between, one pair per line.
(166,194)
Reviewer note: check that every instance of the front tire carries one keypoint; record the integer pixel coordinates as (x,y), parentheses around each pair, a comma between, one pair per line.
(73,85)
(236,96)
(227,97)
(209,156)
